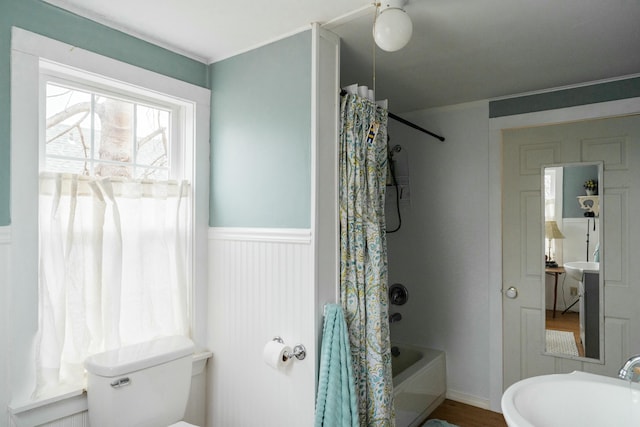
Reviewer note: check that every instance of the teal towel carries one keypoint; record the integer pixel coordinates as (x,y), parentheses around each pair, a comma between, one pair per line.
(438,423)
(336,404)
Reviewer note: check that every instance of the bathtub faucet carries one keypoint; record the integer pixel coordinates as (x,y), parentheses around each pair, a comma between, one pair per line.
(395,317)
(631,369)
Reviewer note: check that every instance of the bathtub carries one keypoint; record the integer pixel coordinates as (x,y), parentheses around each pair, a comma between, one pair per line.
(419,383)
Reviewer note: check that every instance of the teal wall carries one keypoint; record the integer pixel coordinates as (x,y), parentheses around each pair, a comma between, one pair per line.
(573,179)
(601,92)
(42,18)
(261,137)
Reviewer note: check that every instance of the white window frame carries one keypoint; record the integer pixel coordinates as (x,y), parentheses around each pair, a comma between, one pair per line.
(59,74)
(557,174)
(29,52)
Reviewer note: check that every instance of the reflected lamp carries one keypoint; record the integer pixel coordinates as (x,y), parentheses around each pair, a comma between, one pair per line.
(551,232)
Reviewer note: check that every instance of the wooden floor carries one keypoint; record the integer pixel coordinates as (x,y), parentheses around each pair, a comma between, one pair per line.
(466,415)
(570,322)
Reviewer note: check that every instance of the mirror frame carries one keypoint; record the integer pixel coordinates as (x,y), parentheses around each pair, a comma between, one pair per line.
(601,237)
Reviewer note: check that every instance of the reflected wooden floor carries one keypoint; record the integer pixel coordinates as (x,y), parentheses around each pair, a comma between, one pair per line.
(570,322)
(464,415)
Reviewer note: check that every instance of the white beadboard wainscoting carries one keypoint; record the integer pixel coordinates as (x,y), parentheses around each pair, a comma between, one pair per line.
(261,285)
(5,245)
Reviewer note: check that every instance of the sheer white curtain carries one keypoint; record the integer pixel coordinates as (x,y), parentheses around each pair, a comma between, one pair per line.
(113,269)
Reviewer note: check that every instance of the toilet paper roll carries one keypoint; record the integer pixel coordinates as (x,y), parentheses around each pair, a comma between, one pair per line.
(274,354)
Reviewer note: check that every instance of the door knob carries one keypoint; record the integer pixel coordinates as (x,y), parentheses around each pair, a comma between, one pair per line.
(512,292)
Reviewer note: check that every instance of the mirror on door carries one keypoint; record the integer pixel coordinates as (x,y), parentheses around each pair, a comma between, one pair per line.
(572,214)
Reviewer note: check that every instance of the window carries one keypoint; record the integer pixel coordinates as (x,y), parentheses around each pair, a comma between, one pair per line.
(550,177)
(156,171)
(93,133)
(553,178)
(114,229)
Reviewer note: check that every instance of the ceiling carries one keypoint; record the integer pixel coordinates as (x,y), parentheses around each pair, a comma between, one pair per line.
(461,50)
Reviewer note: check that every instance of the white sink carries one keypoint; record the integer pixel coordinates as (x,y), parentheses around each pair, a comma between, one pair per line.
(575,269)
(577,399)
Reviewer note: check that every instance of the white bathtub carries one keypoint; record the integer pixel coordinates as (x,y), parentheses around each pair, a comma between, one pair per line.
(419,383)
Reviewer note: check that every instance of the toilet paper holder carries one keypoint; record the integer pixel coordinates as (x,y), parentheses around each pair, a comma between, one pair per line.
(299,352)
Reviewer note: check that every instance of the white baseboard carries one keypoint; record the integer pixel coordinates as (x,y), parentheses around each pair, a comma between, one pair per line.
(468,399)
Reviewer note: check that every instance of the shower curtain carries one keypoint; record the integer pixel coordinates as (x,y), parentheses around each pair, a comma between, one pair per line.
(363,255)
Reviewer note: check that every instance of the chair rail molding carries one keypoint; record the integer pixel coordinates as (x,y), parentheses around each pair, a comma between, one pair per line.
(275,235)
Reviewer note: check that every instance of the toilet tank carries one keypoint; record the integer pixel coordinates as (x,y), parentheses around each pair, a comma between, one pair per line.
(142,385)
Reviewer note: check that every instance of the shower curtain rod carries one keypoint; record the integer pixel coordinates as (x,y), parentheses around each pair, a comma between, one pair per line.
(413,125)
(406,122)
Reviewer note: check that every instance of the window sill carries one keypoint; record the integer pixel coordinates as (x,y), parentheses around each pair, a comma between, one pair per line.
(72,401)
(42,411)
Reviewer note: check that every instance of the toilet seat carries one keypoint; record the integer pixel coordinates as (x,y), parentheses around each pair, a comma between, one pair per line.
(182,424)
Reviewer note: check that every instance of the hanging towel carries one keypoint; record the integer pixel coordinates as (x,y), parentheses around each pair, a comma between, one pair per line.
(336,404)
(438,423)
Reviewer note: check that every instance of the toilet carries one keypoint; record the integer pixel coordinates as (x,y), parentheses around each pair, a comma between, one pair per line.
(141,385)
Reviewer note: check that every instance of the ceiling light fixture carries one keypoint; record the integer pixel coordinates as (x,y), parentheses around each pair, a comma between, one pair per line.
(392,27)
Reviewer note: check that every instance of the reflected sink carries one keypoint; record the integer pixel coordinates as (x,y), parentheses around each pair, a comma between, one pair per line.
(575,269)
(577,399)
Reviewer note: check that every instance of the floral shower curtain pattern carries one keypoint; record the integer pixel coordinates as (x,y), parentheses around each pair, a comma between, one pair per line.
(113,269)
(363,253)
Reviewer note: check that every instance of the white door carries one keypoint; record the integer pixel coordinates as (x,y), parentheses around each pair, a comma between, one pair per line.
(615,141)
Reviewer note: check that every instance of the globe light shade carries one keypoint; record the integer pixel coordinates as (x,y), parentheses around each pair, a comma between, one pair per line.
(392,29)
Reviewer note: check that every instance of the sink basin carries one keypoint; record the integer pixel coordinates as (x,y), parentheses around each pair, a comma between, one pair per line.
(578,399)
(575,269)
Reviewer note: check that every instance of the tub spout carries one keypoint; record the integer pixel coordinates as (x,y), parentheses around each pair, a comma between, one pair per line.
(395,317)
(631,369)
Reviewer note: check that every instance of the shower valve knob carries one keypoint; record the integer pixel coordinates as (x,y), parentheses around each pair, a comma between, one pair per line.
(398,294)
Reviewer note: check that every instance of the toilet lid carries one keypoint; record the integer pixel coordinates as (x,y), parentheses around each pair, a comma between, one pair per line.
(182,424)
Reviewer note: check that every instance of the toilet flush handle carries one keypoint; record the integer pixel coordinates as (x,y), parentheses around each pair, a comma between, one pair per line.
(121,382)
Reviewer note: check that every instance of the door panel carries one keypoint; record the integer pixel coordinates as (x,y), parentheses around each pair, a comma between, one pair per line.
(616,142)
